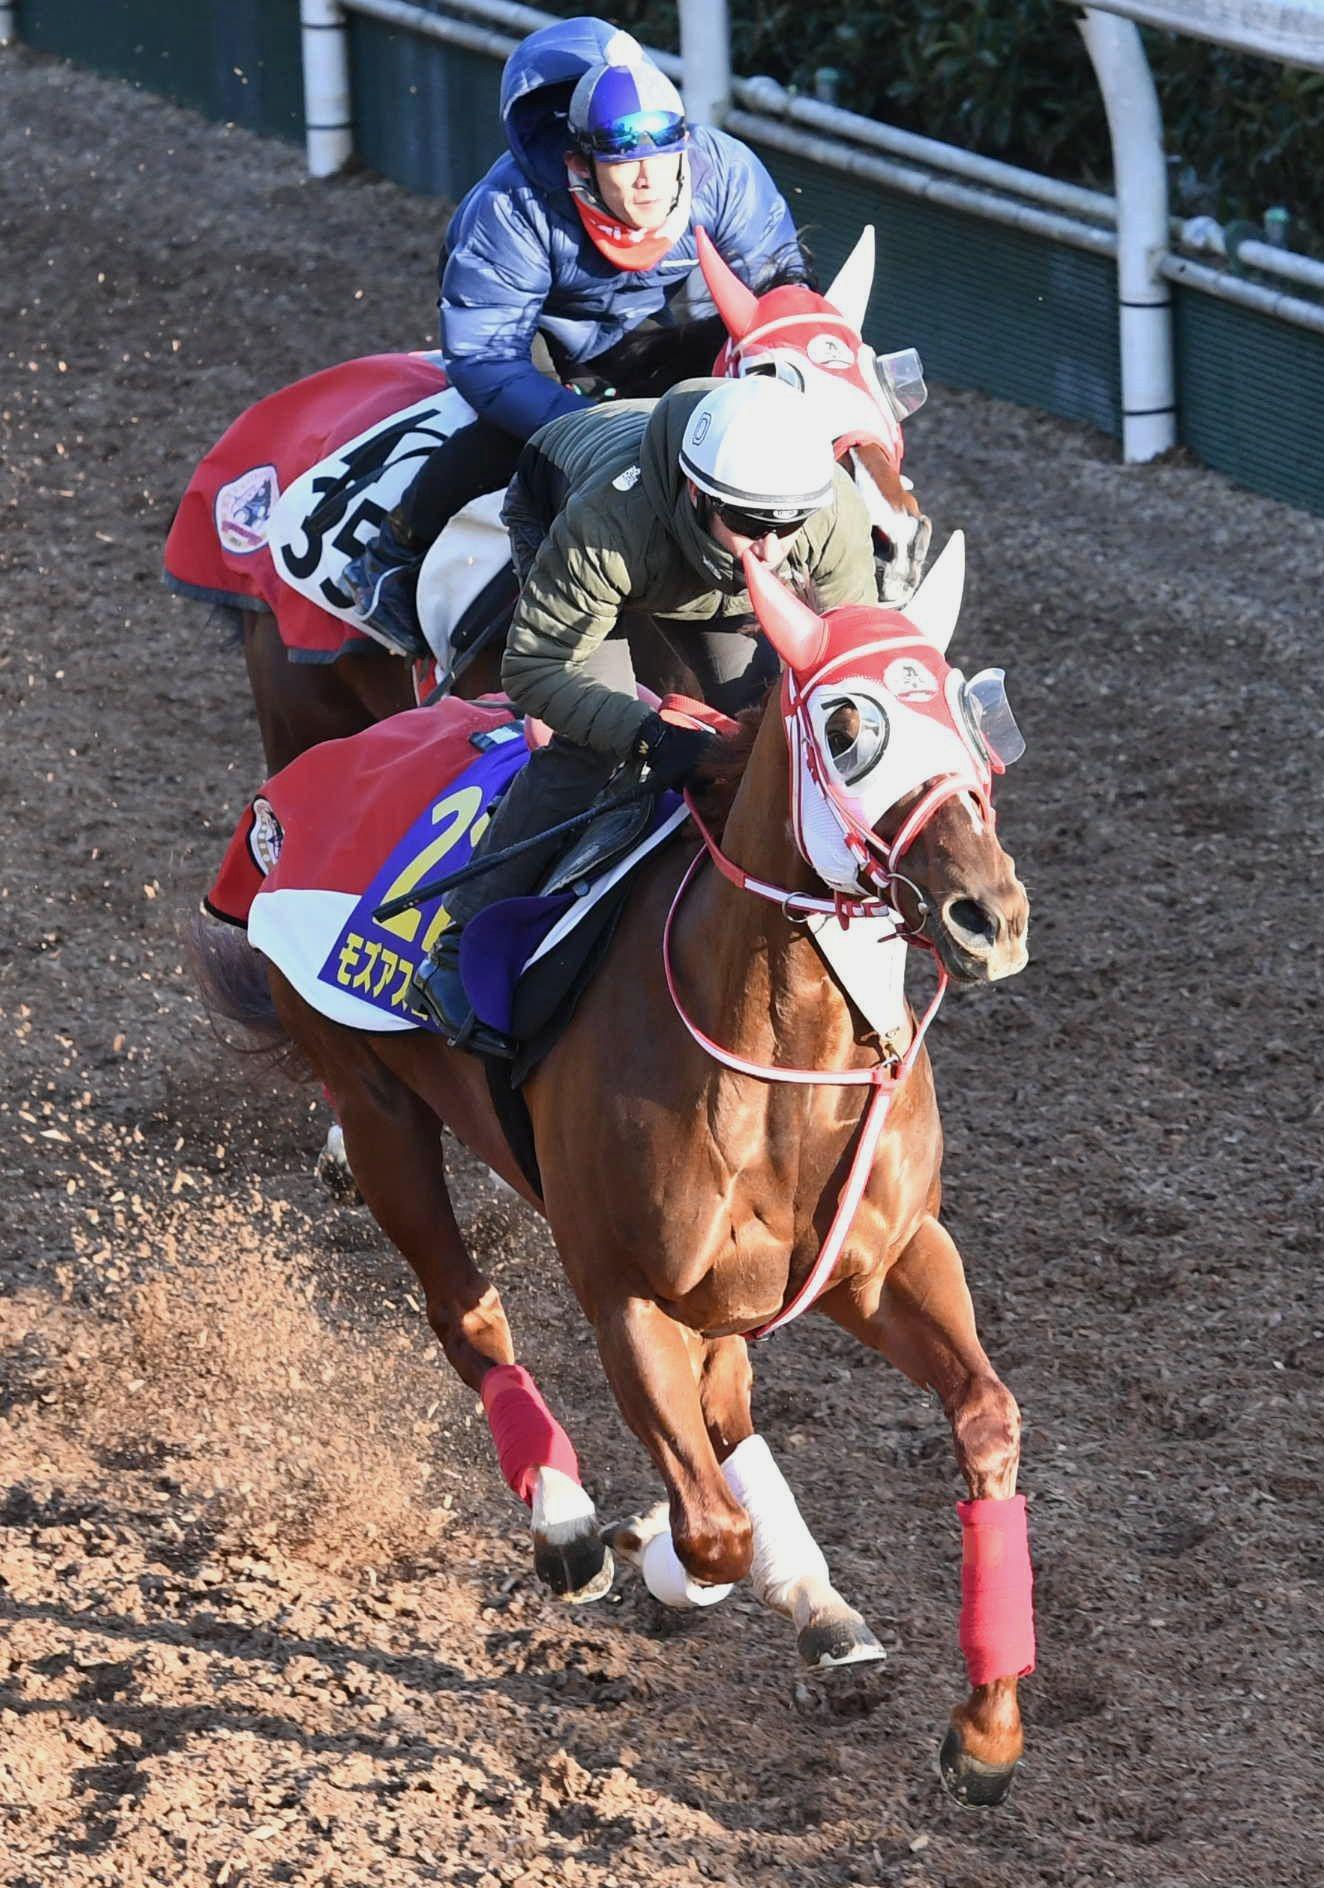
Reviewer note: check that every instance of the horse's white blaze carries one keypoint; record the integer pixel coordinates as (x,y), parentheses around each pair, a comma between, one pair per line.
(973,811)
(898,525)
(561,1509)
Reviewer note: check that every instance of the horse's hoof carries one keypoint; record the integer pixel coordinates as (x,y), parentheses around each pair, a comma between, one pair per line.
(577,1570)
(972,1784)
(826,1643)
(334,1171)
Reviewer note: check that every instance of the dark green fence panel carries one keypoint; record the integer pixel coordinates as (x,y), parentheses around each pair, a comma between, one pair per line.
(239,61)
(1252,397)
(988,307)
(425,113)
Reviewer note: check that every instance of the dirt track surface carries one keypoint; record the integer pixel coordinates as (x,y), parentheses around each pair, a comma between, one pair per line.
(269,1609)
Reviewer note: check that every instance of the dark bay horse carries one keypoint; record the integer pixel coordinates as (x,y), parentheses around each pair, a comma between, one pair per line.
(313,675)
(737,1123)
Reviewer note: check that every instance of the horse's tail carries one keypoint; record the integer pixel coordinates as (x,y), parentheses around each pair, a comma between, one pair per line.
(232,979)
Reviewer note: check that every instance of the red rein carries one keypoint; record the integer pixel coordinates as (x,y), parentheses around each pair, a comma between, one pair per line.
(997,1611)
(527,1435)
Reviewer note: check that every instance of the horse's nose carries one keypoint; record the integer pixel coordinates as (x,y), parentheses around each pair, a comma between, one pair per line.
(974,925)
(988,934)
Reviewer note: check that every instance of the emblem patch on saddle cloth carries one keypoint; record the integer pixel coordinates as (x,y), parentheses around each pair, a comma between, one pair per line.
(374,961)
(264,835)
(244,508)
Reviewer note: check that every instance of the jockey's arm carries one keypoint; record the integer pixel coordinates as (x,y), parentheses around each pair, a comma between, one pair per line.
(570,603)
(489,311)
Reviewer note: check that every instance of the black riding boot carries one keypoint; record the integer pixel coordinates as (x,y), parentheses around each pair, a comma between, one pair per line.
(383,581)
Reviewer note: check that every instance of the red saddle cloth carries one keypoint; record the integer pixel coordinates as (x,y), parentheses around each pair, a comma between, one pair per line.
(328,820)
(216,551)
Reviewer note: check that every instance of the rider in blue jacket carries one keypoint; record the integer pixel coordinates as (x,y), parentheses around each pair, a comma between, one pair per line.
(579,238)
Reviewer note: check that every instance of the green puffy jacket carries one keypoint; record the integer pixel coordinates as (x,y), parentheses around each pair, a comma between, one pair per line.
(628,538)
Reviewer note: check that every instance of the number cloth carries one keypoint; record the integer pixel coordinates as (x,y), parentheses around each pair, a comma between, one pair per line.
(217,548)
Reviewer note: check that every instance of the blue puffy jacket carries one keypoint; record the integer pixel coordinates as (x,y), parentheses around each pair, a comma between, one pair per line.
(517,259)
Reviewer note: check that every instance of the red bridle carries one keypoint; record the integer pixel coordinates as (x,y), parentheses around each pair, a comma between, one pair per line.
(884,1079)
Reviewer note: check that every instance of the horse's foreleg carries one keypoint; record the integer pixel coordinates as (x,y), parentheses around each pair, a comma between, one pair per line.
(789,1571)
(920,1317)
(649,1361)
(395,1151)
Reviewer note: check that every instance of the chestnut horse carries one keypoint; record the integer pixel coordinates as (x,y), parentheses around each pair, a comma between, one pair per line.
(740,1121)
(304,695)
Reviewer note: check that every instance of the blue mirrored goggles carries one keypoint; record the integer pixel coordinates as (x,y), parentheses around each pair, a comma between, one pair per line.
(638,134)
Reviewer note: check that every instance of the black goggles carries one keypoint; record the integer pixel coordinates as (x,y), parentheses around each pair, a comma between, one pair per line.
(639,132)
(748,524)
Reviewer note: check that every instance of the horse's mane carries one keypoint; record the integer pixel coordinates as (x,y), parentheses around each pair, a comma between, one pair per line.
(720,776)
(650,360)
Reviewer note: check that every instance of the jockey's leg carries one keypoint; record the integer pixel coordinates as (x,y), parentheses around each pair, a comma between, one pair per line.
(557,782)
(650,1364)
(733,670)
(383,578)
(478,458)
(919,1316)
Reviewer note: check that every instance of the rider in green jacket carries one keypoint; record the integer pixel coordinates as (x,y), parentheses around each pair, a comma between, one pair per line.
(646,506)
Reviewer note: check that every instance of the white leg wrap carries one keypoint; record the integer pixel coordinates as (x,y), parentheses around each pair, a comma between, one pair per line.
(560,1506)
(789,1573)
(668,1581)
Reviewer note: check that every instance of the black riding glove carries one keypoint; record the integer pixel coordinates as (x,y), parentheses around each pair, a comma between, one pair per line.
(673,754)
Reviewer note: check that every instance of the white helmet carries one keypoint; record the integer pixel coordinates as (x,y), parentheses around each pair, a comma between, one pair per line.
(757,446)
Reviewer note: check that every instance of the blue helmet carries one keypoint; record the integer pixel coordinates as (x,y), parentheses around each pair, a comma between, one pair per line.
(625,108)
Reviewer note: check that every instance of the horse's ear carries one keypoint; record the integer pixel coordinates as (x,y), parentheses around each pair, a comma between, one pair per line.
(936,605)
(797,633)
(736,304)
(853,282)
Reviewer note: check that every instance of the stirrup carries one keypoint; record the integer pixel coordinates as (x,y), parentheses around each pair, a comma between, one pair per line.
(471,1034)
(479,1038)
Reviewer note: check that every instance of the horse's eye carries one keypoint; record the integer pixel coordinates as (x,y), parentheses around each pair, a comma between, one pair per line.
(842,729)
(855,730)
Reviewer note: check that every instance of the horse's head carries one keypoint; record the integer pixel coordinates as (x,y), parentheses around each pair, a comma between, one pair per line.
(813,342)
(892,759)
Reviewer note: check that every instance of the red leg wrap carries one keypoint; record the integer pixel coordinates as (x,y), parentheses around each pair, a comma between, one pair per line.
(527,1435)
(997,1609)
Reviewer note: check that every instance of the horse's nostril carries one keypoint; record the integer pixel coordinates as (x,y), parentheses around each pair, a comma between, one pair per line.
(972,924)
